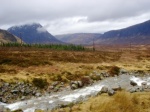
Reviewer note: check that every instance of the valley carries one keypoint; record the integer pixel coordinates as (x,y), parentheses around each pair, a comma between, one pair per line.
(46,71)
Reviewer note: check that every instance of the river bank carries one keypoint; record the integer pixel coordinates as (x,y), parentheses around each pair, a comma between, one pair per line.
(129,82)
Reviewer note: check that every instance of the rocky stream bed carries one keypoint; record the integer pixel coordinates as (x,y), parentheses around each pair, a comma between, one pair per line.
(29,98)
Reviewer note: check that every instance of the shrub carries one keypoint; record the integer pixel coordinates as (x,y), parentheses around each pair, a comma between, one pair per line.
(39,82)
(85,80)
(114,70)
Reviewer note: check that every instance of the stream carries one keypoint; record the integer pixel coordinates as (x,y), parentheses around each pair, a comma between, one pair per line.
(73,96)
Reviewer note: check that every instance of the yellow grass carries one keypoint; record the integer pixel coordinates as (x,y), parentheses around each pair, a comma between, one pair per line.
(121,102)
(29,64)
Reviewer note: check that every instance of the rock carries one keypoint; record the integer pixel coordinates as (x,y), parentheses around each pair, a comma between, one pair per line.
(56,89)
(80,84)
(27,91)
(111,92)
(33,92)
(144,83)
(23,91)
(55,83)
(14,91)
(38,94)
(23,98)
(104,89)
(116,88)
(51,87)
(133,83)
(74,82)
(132,90)
(102,77)
(139,89)
(123,71)
(74,86)
(6,84)
(3,99)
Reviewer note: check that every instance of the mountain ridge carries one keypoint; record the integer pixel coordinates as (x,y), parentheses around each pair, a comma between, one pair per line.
(78,38)
(33,33)
(6,37)
(136,34)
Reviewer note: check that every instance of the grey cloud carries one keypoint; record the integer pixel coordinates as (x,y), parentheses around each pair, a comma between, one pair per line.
(60,16)
(41,30)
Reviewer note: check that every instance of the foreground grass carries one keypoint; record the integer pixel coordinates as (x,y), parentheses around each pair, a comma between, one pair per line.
(121,102)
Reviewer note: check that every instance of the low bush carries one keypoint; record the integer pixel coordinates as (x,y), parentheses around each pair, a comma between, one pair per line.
(114,70)
(39,82)
(85,80)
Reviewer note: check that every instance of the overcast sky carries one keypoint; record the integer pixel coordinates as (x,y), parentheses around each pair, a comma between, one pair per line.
(74,16)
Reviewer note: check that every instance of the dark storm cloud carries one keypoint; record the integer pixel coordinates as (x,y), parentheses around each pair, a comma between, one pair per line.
(71,16)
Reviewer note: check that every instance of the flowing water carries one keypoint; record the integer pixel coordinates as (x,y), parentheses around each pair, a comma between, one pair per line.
(67,97)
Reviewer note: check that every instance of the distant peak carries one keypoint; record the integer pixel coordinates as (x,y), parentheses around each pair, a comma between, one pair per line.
(33,25)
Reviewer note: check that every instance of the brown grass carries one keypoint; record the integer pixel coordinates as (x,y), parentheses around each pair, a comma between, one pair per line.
(66,65)
(121,102)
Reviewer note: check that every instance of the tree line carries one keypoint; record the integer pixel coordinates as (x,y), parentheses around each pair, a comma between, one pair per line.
(70,47)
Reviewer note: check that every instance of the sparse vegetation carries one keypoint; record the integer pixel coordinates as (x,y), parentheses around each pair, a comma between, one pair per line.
(42,66)
(114,70)
(40,82)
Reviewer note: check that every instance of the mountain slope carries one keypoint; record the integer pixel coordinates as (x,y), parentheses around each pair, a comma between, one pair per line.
(78,38)
(33,33)
(6,37)
(137,34)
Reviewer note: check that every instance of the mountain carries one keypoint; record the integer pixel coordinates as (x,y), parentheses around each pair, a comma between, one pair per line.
(136,34)
(33,33)
(78,38)
(6,37)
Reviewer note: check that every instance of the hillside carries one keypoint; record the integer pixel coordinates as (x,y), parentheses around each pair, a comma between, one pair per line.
(33,33)
(136,34)
(78,38)
(6,37)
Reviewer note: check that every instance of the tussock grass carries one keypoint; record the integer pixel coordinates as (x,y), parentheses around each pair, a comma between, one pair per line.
(114,70)
(121,102)
(66,65)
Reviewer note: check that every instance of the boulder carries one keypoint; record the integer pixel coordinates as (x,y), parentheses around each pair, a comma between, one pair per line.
(3,99)
(132,90)
(111,92)
(104,89)
(123,71)
(38,94)
(116,88)
(139,89)
(144,83)
(23,98)
(80,84)
(55,83)
(74,86)
(14,91)
(133,83)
